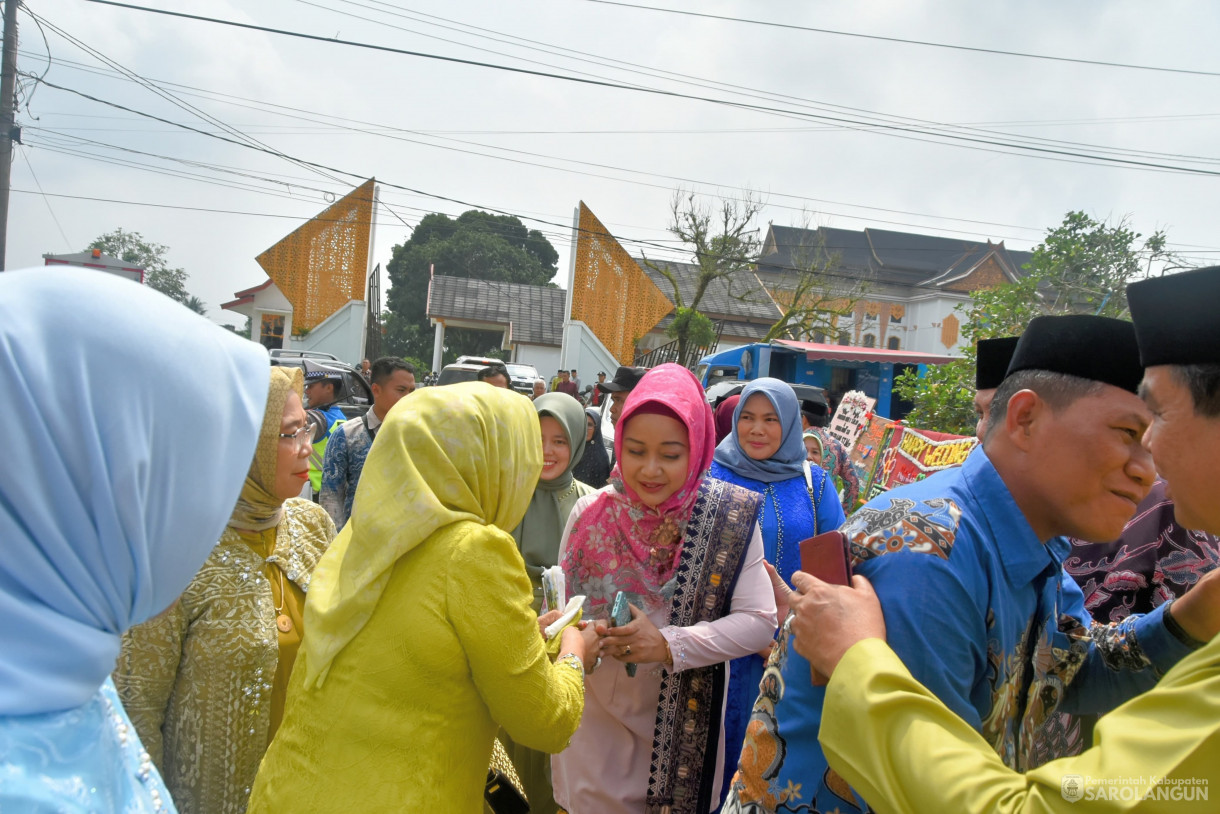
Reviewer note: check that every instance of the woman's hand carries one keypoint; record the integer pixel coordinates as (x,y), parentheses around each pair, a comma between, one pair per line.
(637,642)
(581,640)
(545,620)
(829,619)
(781,591)
(593,646)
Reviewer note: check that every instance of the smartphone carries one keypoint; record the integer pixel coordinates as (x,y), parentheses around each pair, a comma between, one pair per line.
(620,614)
(825,557)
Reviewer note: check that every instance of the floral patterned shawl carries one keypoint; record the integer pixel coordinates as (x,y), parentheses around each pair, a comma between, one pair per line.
(621,544)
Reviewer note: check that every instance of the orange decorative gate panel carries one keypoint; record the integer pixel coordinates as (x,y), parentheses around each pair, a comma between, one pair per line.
(324,263)
(610,292)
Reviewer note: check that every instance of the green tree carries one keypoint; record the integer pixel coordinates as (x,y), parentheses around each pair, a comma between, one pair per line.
(476,245)
(1081,267)
(698,330)
(131,247)
(722,242)
(195,304)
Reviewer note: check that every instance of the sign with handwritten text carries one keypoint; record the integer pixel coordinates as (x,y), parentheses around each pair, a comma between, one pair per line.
(851,418)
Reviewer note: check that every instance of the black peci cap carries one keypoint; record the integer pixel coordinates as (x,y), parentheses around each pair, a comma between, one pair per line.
(1175,317)
(1097,348)
(994,356)
(625,379)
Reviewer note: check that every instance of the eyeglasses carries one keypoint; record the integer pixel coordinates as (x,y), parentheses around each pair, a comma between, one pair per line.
(303,438)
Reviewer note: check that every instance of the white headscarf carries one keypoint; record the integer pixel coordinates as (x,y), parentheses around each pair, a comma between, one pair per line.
(131,424)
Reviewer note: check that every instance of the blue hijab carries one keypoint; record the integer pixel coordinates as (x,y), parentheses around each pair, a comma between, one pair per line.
(789,460)
(135,421)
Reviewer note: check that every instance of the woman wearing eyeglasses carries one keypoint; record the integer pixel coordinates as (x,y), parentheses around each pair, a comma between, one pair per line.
(204,682)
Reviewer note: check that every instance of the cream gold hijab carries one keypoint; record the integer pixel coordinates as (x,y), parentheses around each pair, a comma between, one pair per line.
(257,507)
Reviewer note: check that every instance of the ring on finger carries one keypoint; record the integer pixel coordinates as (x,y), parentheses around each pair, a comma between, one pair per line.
(627,650)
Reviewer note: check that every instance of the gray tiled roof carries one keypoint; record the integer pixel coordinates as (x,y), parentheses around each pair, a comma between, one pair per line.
(879,255)
(535,311)
(737,297)
(753,331)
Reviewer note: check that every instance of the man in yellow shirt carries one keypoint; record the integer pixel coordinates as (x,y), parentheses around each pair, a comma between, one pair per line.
(905,751)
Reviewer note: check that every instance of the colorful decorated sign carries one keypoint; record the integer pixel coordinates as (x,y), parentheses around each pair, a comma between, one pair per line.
(871,443)
(851,418)
(911,455)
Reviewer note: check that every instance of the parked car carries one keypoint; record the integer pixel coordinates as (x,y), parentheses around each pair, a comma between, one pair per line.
(522,377)
(289,355)
(466,369)
(482,361)
(459,372)
(356,396)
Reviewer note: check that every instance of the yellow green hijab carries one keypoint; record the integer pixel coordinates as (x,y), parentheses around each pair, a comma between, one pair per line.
(257,507)
(447,454)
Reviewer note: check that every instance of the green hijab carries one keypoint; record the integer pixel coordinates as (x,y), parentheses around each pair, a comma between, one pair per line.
(539,533)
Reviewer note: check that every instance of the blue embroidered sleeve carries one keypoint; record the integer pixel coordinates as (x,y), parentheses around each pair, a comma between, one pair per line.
(1123,658)
(932,622)
(333,496)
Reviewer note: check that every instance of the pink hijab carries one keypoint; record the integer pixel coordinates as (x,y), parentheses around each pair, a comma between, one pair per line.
(620,544)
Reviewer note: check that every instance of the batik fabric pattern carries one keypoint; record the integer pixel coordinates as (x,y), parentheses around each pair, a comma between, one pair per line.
(197,680)
(1154,561)
(688,712)
(981,612)
(875,711)
(789,514)
(346,451)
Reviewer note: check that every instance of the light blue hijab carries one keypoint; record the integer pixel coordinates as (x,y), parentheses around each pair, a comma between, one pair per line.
(132,424)
(789,460)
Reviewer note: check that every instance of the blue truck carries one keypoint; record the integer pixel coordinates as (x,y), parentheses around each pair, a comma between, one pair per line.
(835,368)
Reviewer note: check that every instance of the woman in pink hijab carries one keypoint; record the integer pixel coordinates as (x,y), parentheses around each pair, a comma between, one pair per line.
(686,550)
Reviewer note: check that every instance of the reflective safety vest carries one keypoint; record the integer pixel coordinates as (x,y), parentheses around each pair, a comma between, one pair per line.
(318,456)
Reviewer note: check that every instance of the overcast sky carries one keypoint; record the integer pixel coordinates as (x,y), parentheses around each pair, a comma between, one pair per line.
(841,140)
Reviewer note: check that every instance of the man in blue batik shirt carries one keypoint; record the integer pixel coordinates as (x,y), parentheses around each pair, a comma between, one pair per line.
(967,565)
(391,379)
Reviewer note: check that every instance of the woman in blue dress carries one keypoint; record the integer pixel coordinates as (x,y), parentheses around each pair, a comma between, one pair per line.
(125,472)
(765,452)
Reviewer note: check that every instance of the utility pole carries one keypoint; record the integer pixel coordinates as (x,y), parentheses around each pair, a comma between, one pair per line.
(9,131)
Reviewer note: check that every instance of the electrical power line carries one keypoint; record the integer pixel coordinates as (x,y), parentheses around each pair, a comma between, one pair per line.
(903,41)
(934,133)
(654,242)
(154,88)
(651,244)
(277,109)
(46,200)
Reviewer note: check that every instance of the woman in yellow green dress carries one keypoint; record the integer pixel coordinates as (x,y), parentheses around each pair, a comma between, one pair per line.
(204,682)
(422,641)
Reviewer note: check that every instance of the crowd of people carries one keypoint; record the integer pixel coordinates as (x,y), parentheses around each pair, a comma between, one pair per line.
(223,595)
